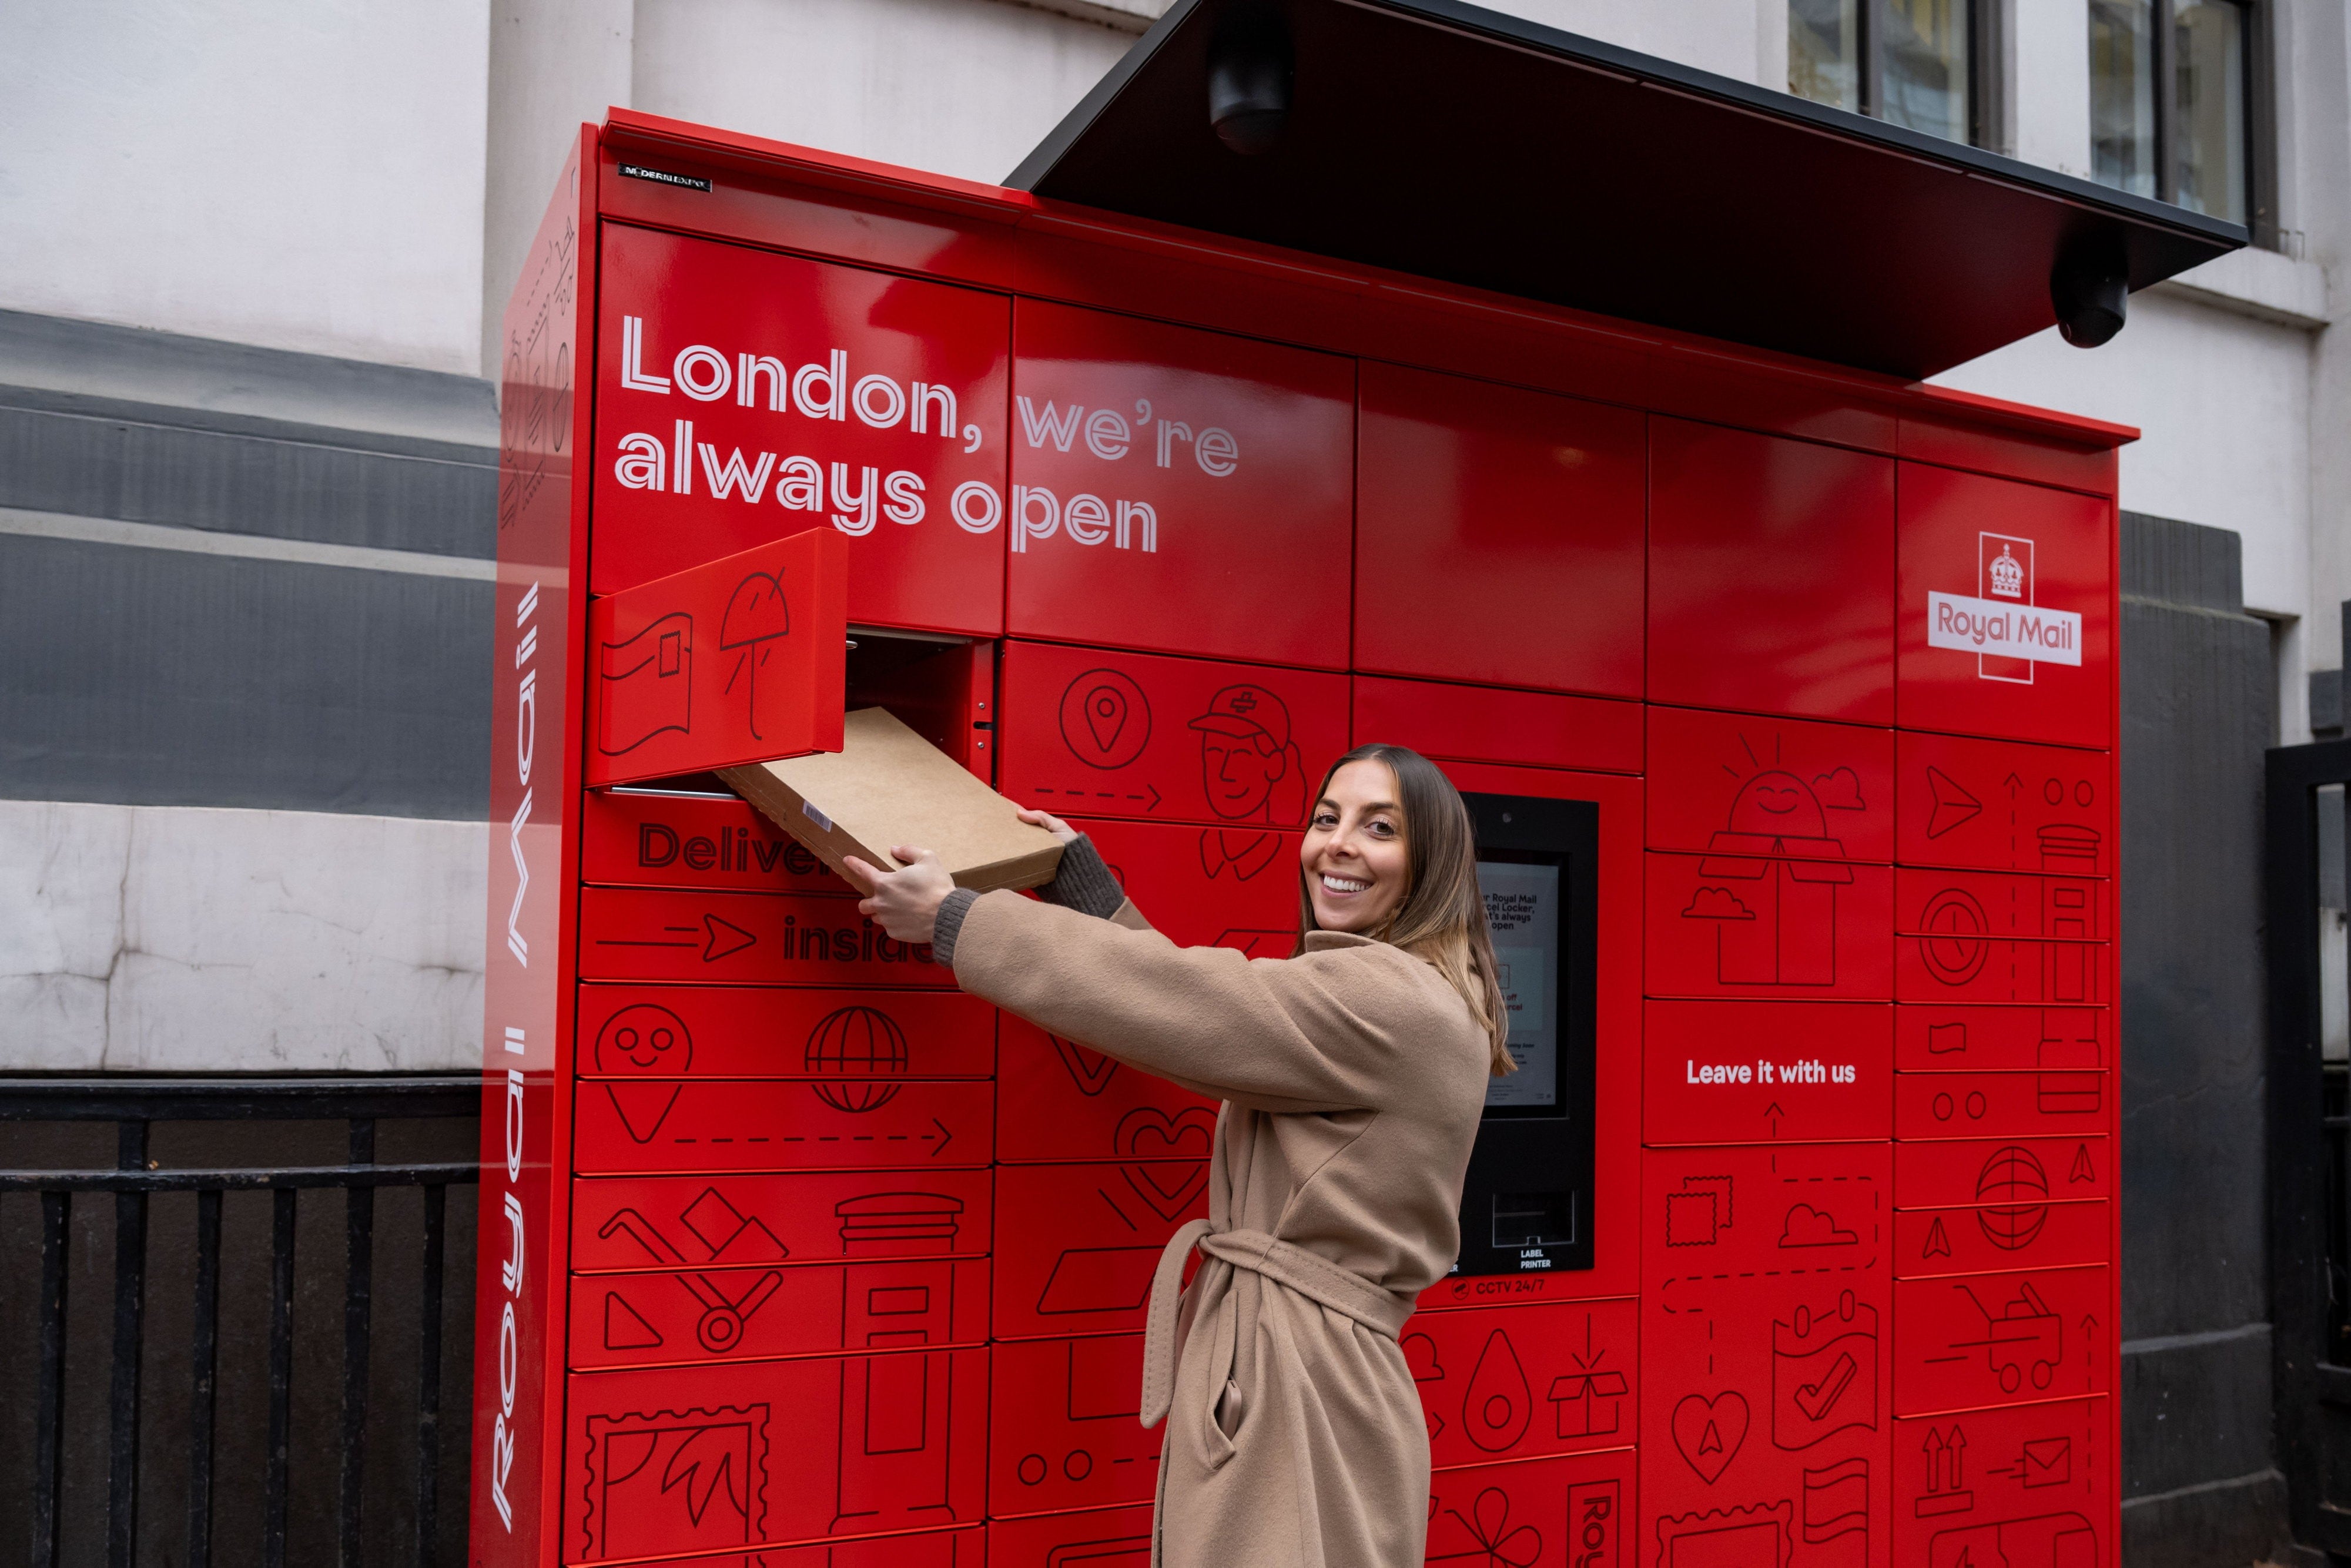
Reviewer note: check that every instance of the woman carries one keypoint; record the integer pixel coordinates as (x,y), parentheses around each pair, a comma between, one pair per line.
(1352,1074)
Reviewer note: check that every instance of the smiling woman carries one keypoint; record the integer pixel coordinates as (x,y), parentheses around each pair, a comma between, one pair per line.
(1352,1074)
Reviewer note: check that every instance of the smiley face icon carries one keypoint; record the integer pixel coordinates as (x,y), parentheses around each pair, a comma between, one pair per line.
(643,1041)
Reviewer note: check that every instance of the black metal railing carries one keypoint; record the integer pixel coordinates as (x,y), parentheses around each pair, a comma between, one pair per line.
(231,1137)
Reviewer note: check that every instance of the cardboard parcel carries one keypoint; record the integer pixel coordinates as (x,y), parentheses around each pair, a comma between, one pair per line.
(888,786)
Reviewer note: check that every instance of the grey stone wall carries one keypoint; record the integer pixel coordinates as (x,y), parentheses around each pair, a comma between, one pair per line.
(2201,1483)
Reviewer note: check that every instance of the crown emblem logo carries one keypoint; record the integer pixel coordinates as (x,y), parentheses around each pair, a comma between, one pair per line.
(2007,576)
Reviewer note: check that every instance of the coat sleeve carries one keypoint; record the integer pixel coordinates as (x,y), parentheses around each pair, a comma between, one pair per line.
(1346,1029)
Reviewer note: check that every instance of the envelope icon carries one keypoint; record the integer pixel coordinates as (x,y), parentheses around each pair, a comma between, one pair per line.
(2048,1461)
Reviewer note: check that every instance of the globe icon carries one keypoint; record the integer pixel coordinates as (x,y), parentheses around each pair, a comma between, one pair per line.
(854,1043)
(2017,1190)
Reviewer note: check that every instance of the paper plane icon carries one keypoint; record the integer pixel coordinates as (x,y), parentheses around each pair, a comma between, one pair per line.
(1953,805)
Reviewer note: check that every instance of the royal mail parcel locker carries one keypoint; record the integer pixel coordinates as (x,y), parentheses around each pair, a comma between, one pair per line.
(1786,700)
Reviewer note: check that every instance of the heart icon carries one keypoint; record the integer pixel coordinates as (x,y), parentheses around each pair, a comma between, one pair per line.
(1169,1190)
(1708,1431)
(1088,1069)
(1148,1132)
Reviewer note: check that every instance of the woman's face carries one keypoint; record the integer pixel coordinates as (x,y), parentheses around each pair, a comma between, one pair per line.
(1354,850)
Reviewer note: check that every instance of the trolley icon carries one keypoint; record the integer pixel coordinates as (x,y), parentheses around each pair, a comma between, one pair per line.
(2025,1337)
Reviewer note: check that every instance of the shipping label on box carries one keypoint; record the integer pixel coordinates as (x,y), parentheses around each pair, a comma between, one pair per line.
(704,1458)
(750,1314)
(1063,1431)
(755,1222)
(865,1117)
(738,660)
(1077,1244)
(737,938)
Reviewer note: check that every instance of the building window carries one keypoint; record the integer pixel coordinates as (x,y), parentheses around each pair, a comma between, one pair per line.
(1913,63)
(2170,102)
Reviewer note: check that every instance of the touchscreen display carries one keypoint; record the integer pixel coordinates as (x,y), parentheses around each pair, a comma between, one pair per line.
(1522,911)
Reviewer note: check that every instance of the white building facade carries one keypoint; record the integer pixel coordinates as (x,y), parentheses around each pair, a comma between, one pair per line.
(253,261)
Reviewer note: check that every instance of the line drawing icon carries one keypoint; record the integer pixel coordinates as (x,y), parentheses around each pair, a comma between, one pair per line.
(1836,1502)
(2015,1187)
(1250,768)
(1759,1535)
(1808,1226)
(1770,874)
(644,684)
(661,1480)
(1708,1433)
(2025,1340)
(756,618)
(1947,1478)
(1589,1401)
(859,1044)
(2045,1540)
(1105,718)
(1954,805)
(897,1449)
(725,1236)
(644,1039)
(1955,936)
(1824,1373)
(1497,1404)
(1484,1535)
(898,1222)
(1698,1214)
(1089,1070)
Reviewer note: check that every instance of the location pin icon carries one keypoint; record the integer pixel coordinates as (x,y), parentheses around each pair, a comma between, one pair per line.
(1105,716)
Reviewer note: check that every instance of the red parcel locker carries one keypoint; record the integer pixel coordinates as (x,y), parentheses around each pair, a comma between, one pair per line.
(1498,536)
(795,1253)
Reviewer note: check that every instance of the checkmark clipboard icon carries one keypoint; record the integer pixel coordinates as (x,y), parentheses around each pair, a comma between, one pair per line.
(1817,1399)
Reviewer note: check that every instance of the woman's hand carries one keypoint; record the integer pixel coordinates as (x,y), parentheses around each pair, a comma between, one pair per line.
(1062,832)
(905,903)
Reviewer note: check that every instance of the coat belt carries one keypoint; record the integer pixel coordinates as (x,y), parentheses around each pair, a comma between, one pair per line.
(1308,1274)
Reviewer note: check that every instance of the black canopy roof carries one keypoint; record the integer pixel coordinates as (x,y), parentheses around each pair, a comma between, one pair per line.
(1449,141)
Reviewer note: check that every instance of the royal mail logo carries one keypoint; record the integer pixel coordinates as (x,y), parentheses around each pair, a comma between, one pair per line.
(2001,624)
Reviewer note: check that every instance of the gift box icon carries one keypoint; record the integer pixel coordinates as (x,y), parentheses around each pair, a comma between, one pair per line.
(1589,1403)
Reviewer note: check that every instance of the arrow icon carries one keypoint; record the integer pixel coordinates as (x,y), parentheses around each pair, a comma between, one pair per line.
(721,938)
(1773,1114)
(946,1137)
(1953,804)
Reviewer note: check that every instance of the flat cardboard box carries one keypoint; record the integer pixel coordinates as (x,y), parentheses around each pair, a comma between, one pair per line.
(888,786)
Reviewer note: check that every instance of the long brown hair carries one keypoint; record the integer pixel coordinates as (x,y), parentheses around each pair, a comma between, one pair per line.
(1442,917)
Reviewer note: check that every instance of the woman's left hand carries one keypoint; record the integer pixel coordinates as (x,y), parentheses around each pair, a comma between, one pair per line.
(905,903)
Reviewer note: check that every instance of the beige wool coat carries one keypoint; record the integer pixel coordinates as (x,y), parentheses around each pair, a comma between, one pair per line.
(1353,1077)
